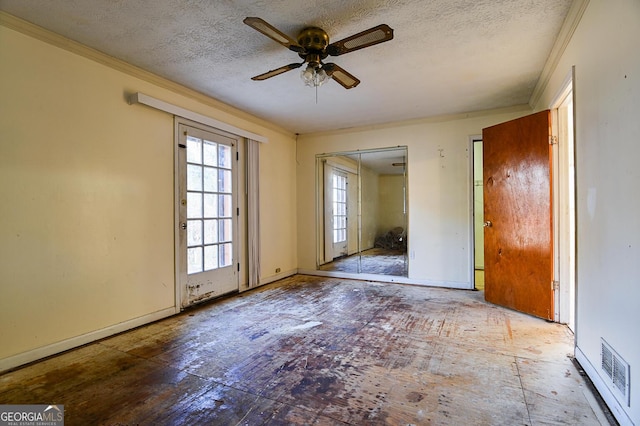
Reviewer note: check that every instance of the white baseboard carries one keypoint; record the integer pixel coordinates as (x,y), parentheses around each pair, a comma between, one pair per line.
(64,345)
(270,279)
(278,276)
(614,406)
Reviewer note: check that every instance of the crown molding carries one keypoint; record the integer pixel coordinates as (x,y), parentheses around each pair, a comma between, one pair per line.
(27,28)
(569,26)
(520,108)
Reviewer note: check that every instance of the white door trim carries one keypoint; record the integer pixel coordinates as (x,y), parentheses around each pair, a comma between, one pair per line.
(564,292)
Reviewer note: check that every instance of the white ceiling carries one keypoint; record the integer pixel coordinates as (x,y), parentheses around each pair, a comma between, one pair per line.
(447,56)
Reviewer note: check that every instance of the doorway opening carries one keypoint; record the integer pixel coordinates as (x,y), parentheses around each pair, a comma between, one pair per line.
(478,215)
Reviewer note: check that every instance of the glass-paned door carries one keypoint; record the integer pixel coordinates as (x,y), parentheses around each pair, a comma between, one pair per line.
(339,208)
(207,214)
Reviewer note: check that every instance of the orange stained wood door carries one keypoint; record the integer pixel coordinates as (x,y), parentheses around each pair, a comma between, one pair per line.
(518,246)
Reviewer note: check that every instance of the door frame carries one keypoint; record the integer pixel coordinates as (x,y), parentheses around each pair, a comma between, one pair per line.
(240,231)
(564,258)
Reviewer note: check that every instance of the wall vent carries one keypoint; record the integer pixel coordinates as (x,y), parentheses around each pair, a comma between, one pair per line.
(618,372)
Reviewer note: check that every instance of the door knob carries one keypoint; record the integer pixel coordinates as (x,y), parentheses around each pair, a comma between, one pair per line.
(488,224)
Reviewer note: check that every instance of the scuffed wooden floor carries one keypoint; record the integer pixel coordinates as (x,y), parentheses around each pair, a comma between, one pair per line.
(321,351)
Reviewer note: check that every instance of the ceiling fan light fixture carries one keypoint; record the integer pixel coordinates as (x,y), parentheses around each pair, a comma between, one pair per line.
(314,76)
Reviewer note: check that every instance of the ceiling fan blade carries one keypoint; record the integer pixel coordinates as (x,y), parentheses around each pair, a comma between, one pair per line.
(345,79)
(366,38)
(273,33)
(277,71)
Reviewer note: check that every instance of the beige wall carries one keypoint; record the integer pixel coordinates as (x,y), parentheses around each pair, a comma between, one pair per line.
(605,52)
(370,208)
(391,207)
(87,230)
(439,190)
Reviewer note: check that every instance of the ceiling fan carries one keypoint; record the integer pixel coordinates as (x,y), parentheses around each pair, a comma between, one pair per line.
(313,47)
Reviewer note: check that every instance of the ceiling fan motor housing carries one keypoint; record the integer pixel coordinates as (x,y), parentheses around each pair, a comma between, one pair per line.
(315,41)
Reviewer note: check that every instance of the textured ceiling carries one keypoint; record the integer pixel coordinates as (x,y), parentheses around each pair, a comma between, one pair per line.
(447,56)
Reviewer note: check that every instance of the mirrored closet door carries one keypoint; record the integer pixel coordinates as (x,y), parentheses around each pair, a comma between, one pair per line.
(362,211)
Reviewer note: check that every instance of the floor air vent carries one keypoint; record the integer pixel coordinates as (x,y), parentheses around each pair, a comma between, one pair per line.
(617,370)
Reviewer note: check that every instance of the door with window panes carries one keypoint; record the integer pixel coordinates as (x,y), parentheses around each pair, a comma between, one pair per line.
(339,209)
(207,214)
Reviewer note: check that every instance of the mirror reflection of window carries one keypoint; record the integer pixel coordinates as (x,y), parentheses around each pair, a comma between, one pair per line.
(362,206)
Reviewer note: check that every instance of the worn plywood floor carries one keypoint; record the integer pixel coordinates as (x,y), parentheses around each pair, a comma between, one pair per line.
(376,260)
(318,351)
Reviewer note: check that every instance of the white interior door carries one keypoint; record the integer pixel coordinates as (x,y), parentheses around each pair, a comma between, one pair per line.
(207,214)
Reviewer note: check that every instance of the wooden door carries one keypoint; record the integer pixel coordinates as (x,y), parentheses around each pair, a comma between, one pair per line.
(518,242)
